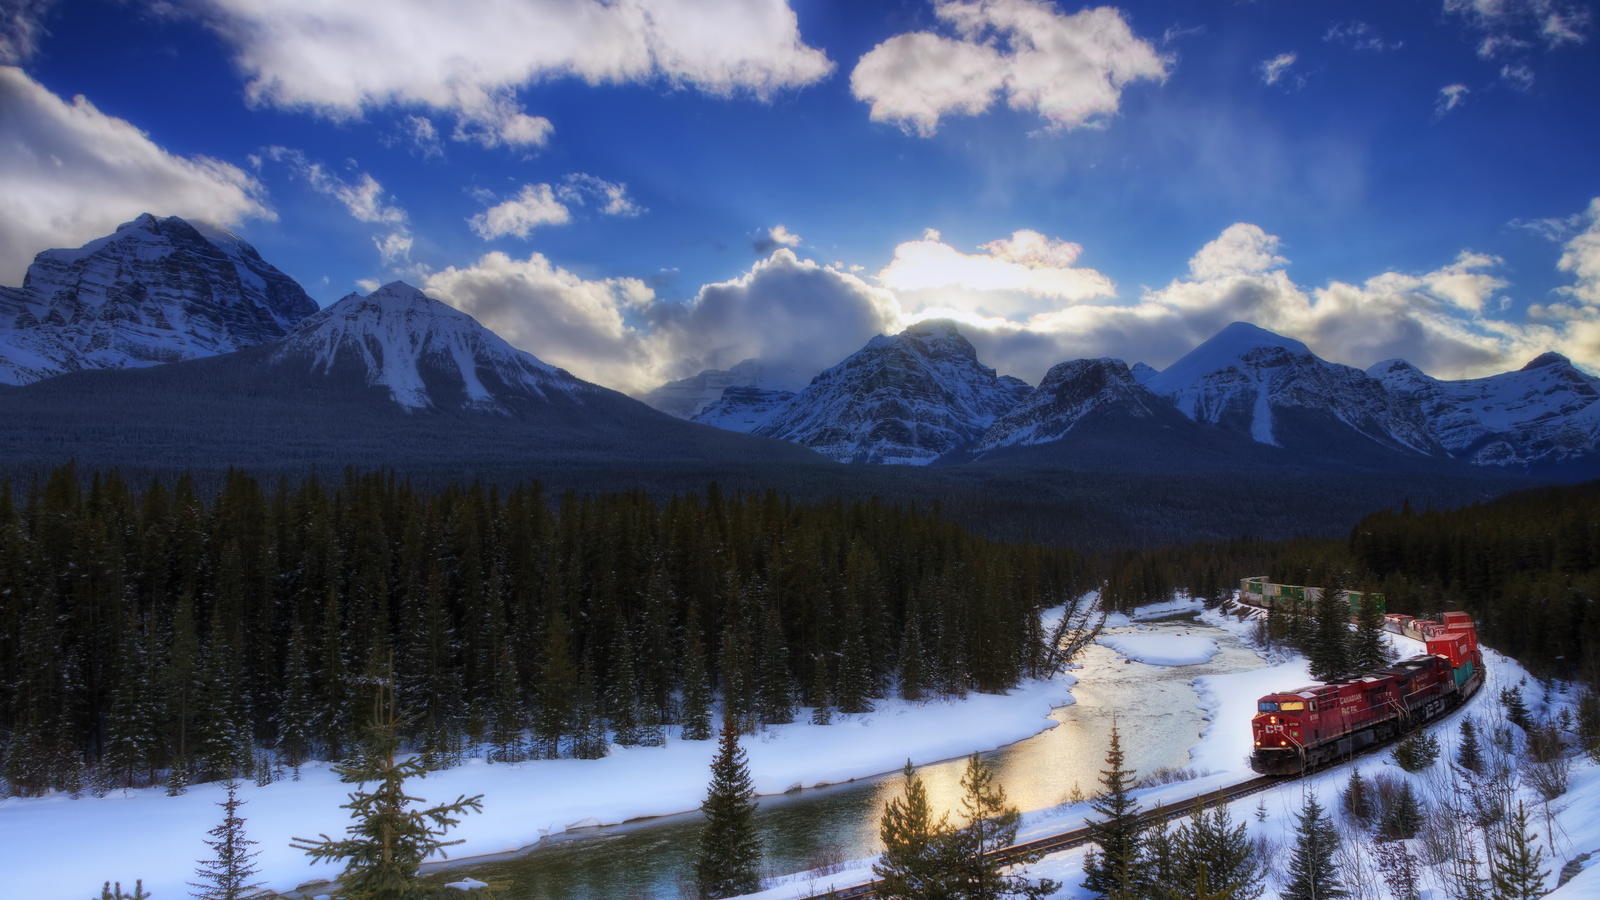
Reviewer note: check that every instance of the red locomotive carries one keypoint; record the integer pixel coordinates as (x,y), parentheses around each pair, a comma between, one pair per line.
(1303,728)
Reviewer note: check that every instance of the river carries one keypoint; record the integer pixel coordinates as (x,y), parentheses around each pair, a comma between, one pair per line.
(1153,706)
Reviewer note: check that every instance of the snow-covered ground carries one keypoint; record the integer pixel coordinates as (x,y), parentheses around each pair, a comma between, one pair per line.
(55,847)
(1163,649)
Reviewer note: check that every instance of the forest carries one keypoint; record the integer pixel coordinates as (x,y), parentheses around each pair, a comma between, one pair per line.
(151,635)
(1526,566)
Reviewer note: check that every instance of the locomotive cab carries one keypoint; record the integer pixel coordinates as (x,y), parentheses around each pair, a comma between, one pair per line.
(1279,728)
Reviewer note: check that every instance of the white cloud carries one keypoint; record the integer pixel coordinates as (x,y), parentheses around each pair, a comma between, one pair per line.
(1450,97)
(1070,69)
(21,27)
(777,236)
(424,138)
(618,333)
(609,198)
(469,57)
(1518,76)
(534,205)
(1359,36)
(70,173)
(1510,24)
(1017,276)
(1241,249)
(363,198)
(1581,257)
(1273,70)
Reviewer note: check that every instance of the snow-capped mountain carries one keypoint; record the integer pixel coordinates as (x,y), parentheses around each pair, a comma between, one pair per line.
(428,354)
(1070,393)
(1544,414)
(156,291)
(1273,388)
(688,397)
(743,409)
(908,399)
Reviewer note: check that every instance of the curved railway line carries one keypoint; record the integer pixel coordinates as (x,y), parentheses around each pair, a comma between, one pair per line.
(1070,839)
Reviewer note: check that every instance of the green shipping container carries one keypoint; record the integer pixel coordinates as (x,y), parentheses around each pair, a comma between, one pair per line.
(1463,673)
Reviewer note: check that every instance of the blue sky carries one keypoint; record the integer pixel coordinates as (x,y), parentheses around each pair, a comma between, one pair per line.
(643,189)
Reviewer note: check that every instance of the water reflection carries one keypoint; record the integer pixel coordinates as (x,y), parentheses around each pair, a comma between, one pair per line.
(1153,706)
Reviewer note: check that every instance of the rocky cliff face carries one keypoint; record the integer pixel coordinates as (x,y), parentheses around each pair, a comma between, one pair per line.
(156,291)
(1071,393)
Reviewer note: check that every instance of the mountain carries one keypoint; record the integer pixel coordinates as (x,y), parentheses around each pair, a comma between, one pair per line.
(1072,392)
(743,409)
(688,397)
(1541,418)
(427,354)
(156,291)
(1272,388)
(903,399)
(393,379)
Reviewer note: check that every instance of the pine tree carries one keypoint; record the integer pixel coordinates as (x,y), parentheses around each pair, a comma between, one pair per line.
(588,729)
(913,680)
(388,839)
(991,825)
(557,682)
(115,893)
(1328,643)
(226,875)
(1403,816)
(822,712)
(1514,872)
(696,696)
(913,865)
(1159,860)
(729,851)
(1312,873)
(1469,754)
(1113,871)
(775,691)
(1215,858)
(295,713)
(1516,709)
(1357,799)
(1418,751)
(1368,650)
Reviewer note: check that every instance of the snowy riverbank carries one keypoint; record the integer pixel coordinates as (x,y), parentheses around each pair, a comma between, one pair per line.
(57,848)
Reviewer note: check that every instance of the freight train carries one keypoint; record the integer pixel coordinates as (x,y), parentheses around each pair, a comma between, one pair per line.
(1298,730)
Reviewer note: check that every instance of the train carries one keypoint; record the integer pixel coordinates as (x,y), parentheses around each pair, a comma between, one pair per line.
(1299,730)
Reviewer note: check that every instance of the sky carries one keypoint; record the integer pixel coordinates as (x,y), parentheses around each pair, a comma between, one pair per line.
(638,190)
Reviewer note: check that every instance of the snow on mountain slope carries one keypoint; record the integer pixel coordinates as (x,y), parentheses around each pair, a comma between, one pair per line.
(1070,392)
(156,291)
(427,353)
(743,409)
(1545,412)
(1248,378)
(906,399)
(688,397)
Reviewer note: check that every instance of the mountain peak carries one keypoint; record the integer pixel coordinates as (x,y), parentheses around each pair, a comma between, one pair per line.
(1548,358)
(155,291)
(427,353)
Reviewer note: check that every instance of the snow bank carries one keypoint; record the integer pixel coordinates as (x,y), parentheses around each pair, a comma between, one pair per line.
(1162,649)
(56,847)
(1179,604)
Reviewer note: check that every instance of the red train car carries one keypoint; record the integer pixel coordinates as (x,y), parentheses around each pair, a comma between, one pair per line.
(1304,728)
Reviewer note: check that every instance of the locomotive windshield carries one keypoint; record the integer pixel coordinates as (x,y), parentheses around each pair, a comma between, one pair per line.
(1292,705)
(1266,706)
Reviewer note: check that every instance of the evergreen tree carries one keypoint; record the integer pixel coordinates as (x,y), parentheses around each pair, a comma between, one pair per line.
(913,680)
(914,864)
(622,693)
(1159,863)
(115,893)
(696,696)
(822,712)
(295,712)
(1328,643)
(729,852)
(1112,872)
(1402,817)
(1469,754)
(588,729)
(1516,709)
(991,825)
(1312,872)
(775,692)
(1357,799)
(557,683)
(226,875)
(1369,650)
(1418,751)
(1514,872)
(388,839)
(1215,859)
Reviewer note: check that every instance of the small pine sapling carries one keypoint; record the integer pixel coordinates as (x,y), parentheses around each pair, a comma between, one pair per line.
(226,875)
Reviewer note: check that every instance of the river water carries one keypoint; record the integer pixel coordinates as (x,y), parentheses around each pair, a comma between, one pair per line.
(1153,706)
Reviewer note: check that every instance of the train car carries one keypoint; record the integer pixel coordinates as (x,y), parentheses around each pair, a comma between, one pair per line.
(1257,591)
(1307,727)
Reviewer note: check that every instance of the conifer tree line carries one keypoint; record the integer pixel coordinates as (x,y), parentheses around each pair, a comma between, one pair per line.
(1525,566)
(153,634)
